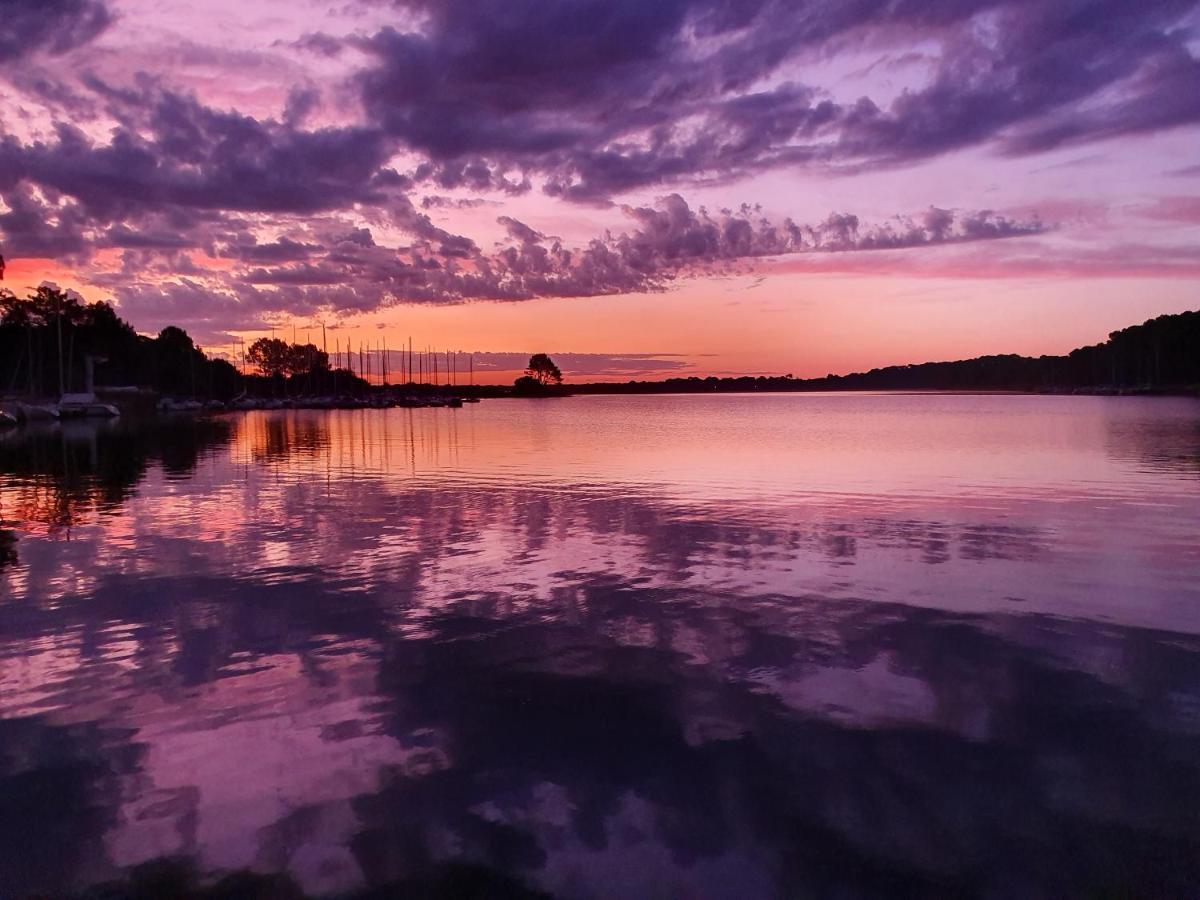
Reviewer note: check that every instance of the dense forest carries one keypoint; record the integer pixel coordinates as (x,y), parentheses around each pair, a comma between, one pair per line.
(1161,355)
(47,337)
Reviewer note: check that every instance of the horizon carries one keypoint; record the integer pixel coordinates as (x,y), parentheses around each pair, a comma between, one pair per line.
(823,193)
(469,367)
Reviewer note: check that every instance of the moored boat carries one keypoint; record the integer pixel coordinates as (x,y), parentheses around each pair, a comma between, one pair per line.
(85,406)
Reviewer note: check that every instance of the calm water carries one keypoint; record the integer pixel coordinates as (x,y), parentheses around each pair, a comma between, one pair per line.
(638,647)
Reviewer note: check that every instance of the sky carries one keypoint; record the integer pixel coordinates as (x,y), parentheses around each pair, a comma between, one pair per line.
(641,189)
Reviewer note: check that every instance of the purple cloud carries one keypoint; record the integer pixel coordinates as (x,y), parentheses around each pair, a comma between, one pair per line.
(199,158)
(349,272)
(52,26)
(606,96)
(328,201)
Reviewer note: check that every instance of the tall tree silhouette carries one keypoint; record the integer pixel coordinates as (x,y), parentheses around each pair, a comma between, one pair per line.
(270,356)
(542,369)
(274,357)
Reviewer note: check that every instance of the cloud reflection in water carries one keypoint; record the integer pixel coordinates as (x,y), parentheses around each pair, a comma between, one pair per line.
(354,647)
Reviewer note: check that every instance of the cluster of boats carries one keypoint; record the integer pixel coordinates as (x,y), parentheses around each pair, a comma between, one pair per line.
(84,406)
(71,406)
(255,403)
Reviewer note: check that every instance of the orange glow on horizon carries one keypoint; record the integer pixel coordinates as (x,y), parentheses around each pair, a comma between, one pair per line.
(25,274)
(809,326)
(805,323)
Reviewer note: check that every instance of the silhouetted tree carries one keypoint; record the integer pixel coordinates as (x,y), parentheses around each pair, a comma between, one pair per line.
(179,366)
(271,356)
(276,358)
(306,358)
(543,370)
(45,306)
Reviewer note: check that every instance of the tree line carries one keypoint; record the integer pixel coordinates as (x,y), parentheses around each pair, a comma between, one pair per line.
(1162,354)
(47,337)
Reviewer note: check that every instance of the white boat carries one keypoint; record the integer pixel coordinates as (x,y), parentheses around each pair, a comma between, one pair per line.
(79,406)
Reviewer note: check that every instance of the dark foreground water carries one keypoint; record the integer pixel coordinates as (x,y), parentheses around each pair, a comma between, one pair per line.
(828,646)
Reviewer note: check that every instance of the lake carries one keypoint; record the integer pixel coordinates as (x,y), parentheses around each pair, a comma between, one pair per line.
(728,646)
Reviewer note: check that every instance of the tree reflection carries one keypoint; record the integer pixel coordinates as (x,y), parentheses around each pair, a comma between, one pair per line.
(8,547)
(280,437)
(59,476)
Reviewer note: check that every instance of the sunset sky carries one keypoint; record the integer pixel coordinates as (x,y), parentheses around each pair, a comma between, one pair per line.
(642,188)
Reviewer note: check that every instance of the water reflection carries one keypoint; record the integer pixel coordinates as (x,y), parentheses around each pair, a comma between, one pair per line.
(8,547)
(358,648)
(1162,438)
(57,475)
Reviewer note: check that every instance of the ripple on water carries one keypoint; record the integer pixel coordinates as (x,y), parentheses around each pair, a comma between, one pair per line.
(703,643)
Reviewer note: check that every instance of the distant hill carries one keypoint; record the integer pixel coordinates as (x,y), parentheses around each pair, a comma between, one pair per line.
(1161,355)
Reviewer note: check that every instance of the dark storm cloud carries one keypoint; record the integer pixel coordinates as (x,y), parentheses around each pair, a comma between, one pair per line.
(605,96)
(34,226)
(596,97)
(283,250)
(127,238)
(1045,75)
(178,178)
(178,174)
(587,93)
(53,26)
(587,100)
(184,154)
